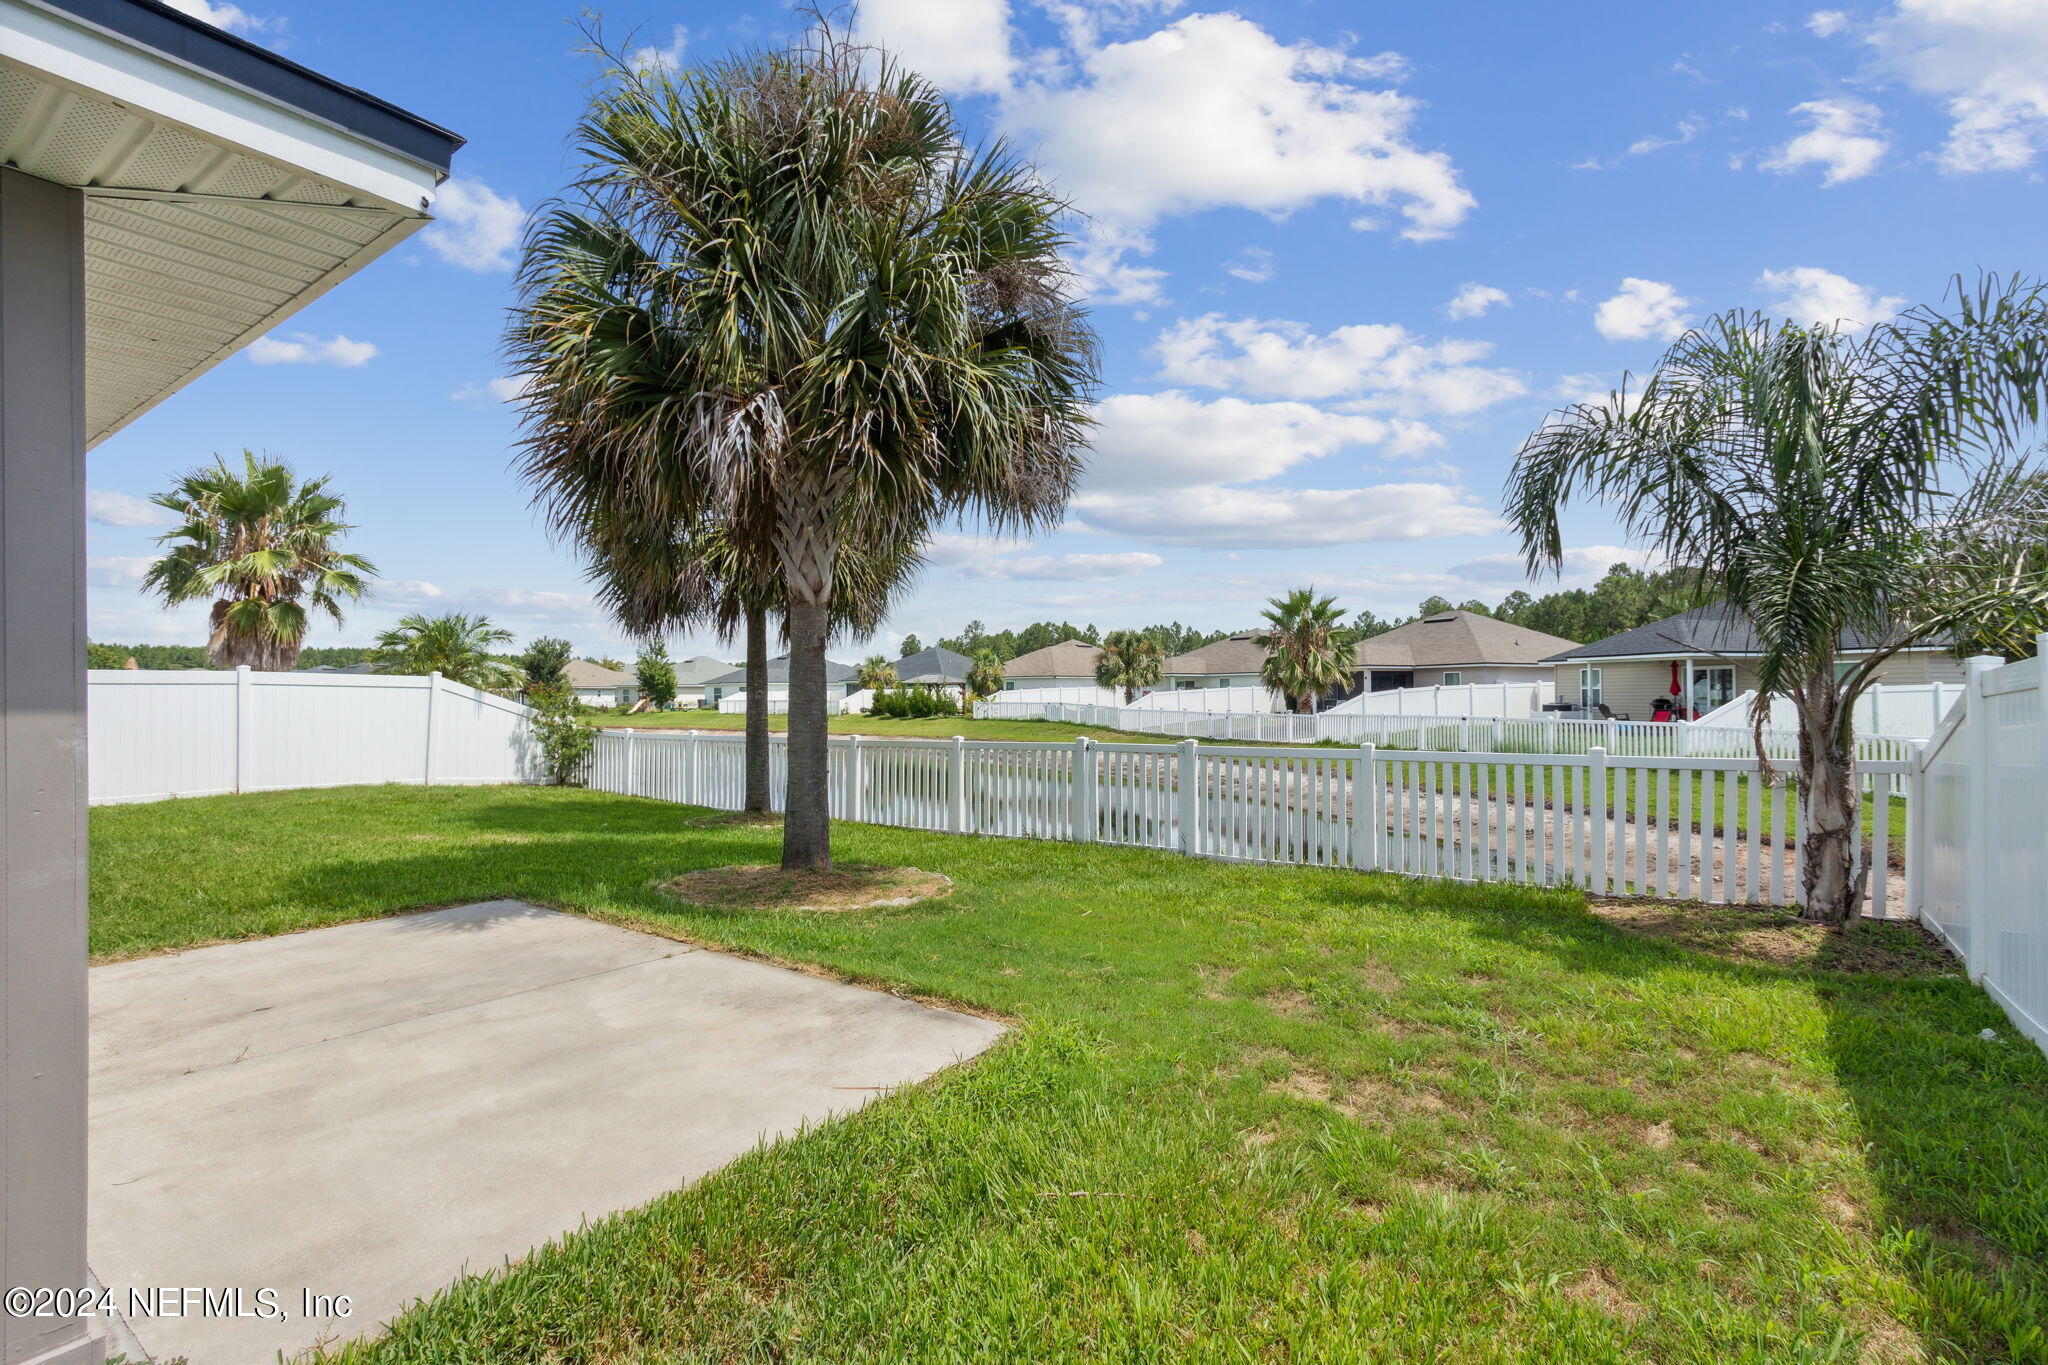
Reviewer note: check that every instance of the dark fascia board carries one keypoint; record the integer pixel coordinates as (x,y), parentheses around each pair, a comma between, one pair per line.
(199,45)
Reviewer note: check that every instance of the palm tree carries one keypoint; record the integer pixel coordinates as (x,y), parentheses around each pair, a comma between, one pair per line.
(455,645)
(985,676)
(788,297)
(876,673)
(1308,647)
(1130,660)
(261,544)
(1829,485)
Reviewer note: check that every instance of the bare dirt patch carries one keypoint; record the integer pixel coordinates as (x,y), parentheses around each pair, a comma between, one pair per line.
(1772,938)
(1600,1289)
(853,886)
(742,819)
(1291,1003)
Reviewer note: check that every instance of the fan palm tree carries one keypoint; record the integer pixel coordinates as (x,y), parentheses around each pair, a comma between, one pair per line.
(262,544)
(1308,648)
(455,645)
(876,674)
(786,296)
(985,675)
(1829,485)
(1129,660)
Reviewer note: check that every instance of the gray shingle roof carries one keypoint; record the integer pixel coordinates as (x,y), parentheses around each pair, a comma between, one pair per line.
(778,674)
(583,673)
(1067,659)
(1451,638)
(933,665)
(1715,629)
(1238,654)
(700,670)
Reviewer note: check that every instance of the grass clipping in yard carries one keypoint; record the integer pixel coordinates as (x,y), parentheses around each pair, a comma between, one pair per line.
(852,886)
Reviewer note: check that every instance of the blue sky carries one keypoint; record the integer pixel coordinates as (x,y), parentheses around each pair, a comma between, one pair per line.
(1342,256)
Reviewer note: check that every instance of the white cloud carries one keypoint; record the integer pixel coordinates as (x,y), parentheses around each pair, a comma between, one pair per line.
(1592,389)
(1826,23)
(474,226)
(1284,518)
(233,18)
(1080,568)
(665,57)
(1172,439)
(109,508)
(1846,139)
(963,45)
(1472,300)
(1254,263)
(1807,294)
(1643,308)
(410,590)
(117,571)
(1381,364)
(1214,112)
(1099,265)
(504,389)
(1583,567)
(303,348)
(1987,60)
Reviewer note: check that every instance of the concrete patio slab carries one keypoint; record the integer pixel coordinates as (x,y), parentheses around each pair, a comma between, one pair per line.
(372,1110)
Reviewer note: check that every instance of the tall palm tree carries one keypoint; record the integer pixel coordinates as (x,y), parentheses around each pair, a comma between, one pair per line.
(1309,647)
(876,673)
(1130,660)
(262,544)
(787,296)
(455,645)
(1829,485)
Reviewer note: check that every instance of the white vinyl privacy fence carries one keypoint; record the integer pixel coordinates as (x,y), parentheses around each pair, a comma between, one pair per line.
(198,732)
(1694,828)
(1979,841)
(1511,699)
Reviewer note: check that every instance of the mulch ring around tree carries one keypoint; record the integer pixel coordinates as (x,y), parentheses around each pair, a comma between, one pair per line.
(850,886)
(1765,936)
(744,819)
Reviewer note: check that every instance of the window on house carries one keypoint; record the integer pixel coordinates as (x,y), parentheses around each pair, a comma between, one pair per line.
(1589,688)
(1453,678)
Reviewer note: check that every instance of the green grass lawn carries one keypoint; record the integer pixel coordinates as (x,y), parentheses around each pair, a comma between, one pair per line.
(1248,1114)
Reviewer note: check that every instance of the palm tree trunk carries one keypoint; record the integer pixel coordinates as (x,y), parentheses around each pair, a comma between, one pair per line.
(757,800)
(806,827)
(1829,837)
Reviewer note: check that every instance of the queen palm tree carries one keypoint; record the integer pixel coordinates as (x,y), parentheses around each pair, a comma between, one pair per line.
(876,673)
(1130,660)
(262,544)
(1308,647)
(455,645)
(1829,485)
(787,296)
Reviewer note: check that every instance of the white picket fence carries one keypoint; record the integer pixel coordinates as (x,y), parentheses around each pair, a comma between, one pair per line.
(198,732)
(1693,828)
(1978,837)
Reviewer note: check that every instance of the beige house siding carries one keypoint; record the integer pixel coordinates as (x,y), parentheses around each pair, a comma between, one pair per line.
(1631,685)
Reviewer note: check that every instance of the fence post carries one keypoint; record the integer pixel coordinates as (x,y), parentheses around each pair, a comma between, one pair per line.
(1603,862)
(695,788)
(1367,823)
(1977,868)
(632,763)
(856,780)
(1083,813)
(959,823)
(433,724)
(1190,798)
(245,738)
(1684,738)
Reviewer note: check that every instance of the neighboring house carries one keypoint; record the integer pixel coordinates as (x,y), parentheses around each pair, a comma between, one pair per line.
(1070,663)
(1234,662)
(340,668)
(1453,648)
(934,668)
(839,680)
(596,685)
(1706,656)
(693,674)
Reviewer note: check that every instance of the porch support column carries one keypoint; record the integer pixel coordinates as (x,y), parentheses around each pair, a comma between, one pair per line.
(42,763)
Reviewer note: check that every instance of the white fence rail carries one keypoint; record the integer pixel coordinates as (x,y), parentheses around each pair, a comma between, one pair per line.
(199,732)
(1980,836)
(1901,710)
(1514,700)
(1693,828)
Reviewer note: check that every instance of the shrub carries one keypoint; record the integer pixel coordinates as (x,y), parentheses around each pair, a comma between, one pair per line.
(565,741)
(914,703)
